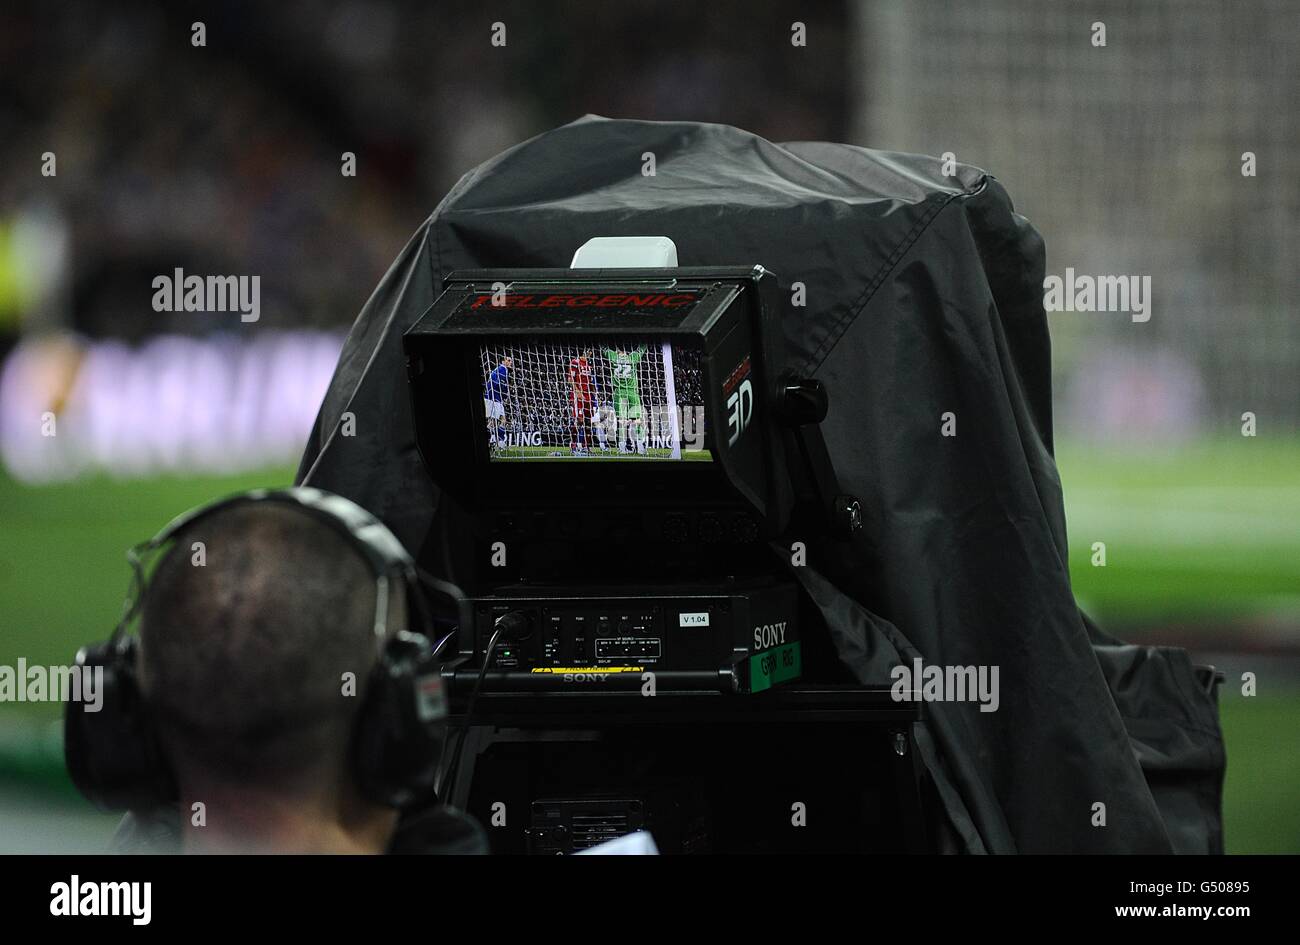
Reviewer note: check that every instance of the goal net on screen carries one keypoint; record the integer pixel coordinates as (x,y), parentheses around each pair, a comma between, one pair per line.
(614,398)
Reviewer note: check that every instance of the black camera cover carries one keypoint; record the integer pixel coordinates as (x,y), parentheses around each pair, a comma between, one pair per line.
(910,294)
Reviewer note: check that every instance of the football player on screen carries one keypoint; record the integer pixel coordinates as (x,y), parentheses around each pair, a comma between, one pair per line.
(495,391)
(579,401)
(605,423)
(627,396)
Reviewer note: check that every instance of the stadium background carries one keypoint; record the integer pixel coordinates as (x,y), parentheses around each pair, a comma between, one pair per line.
(226,159)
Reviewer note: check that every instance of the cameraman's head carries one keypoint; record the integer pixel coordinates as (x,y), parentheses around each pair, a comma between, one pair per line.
(256,647)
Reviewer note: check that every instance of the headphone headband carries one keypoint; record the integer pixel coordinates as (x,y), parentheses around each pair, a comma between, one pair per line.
(383,552)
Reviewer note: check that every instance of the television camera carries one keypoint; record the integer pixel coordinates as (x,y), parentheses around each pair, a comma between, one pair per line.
(631,474)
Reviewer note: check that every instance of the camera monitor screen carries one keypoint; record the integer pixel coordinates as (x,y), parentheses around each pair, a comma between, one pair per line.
(589,399)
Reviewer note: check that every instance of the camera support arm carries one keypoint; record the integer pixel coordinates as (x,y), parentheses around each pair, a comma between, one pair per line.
(802,405)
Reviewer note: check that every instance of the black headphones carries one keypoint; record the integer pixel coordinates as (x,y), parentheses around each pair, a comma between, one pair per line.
(114,755)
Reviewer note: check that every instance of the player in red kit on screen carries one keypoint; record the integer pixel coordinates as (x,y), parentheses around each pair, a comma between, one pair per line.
(579,400)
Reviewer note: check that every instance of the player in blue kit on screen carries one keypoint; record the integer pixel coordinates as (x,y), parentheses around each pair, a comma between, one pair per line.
(495,391)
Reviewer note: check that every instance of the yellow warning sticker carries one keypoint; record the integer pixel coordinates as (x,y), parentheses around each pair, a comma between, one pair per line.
(553,670)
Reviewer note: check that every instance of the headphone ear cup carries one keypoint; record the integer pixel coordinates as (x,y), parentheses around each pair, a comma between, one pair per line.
(402,727)
(111,750)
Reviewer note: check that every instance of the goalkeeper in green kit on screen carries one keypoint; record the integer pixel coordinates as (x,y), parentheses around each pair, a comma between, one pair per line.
(627,395)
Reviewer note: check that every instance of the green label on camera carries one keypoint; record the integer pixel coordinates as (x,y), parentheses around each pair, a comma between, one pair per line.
(774,666)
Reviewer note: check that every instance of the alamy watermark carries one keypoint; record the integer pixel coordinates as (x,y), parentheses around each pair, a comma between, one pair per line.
(79,897)
(935,683)
(1081,293)
(181,293)
(36,683)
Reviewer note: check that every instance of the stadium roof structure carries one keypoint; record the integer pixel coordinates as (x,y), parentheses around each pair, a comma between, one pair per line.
(922,313)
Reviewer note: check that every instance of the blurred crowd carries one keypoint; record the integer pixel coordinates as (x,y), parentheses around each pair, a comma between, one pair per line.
(227,157)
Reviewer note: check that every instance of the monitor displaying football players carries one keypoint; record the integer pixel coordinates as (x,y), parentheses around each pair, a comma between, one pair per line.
(616,398)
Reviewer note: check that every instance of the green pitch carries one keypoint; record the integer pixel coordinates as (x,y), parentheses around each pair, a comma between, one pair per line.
(1201,536)
(1207,536)
(63,570)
